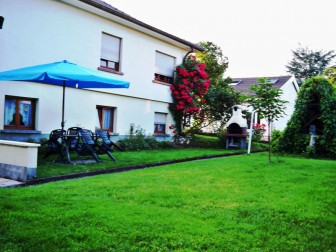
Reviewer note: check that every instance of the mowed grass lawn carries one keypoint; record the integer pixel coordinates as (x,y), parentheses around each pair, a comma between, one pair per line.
(236,203)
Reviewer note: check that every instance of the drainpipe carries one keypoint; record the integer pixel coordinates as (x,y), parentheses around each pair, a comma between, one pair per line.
(251,132)
(191,51)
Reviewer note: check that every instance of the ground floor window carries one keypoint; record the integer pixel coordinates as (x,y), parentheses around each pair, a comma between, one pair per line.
(160,123)
(19,113)
(105,118)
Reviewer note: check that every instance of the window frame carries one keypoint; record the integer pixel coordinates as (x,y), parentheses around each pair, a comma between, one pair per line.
(100,110)
(159,77)
(156,124)
(17,126)
(106,66)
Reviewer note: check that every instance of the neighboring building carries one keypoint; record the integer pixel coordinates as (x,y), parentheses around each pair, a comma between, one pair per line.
(287,84)
(93,34)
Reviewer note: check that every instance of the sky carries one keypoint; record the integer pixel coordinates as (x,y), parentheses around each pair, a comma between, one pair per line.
(257,36)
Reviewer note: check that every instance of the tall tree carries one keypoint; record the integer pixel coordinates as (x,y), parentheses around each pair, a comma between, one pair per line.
(215,62)
(221,97)
(266,101)
(307,63)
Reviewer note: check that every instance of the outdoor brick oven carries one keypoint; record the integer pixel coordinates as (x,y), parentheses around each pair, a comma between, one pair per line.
(236,129)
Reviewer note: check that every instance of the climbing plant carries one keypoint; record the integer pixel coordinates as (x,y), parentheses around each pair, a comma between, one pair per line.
(188,91)
(315,105)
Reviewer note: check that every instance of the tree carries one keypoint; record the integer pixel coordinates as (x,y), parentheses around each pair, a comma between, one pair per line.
(307,63)
(221,97)
(216,63)
(330,73)
(268,104)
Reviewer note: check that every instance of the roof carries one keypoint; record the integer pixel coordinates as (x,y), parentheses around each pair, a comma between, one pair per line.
(116,12)
(243,84)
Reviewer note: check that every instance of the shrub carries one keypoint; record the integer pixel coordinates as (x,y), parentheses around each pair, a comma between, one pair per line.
(139,141)
(316,97)
(275,137)
(222,137)
(203,141)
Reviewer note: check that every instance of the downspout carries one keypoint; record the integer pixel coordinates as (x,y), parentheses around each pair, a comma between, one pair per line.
(191,51)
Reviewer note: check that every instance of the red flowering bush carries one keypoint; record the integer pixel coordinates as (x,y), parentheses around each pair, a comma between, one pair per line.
(188,92)
(258,131)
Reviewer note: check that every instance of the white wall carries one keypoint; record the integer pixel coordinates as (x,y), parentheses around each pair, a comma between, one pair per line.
(289,95)
(44,31)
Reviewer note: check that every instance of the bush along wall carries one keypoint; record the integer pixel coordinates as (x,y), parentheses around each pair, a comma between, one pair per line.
(315,105)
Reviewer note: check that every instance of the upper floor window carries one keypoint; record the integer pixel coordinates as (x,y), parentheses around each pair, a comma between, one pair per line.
(164,67)
(160,123)
(19,113)
(105,118)
(110,53)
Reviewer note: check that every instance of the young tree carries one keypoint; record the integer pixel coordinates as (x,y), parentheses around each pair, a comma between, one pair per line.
(307,63)
(268,104)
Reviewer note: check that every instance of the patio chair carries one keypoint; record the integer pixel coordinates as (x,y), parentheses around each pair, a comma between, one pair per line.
(86,145)
(72,138)
(55,144)
(105,144)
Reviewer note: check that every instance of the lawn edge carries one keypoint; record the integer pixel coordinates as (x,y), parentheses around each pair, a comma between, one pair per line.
(125,168)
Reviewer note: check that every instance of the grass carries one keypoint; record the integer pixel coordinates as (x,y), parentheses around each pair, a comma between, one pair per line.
(47,168)
(237,203)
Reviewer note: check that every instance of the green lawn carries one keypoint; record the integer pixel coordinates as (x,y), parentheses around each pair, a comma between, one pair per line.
(236,203)
(47,168)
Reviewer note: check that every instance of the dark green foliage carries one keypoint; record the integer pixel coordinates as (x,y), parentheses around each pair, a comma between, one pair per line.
(203,141)
(316,97)
(275,137)
(219,101)
(138,140)
(307,63)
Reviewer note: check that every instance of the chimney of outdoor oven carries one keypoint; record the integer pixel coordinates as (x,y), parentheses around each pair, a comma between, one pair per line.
(236,129)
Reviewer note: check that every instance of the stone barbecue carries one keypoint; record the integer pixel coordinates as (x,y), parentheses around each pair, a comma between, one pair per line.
(236,129)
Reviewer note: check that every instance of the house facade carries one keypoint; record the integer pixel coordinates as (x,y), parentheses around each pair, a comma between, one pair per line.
(287,84)
(96,35)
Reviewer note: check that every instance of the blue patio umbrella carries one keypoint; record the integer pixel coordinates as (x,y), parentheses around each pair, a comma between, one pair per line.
(65,74)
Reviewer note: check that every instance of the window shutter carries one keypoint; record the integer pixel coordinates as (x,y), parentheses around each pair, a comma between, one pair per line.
(110,48)
(160,118)
(164,64)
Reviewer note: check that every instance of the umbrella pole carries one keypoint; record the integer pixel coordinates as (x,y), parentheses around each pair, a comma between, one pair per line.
(62,123)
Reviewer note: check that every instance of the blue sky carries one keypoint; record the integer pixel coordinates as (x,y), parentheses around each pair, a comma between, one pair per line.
(256,35)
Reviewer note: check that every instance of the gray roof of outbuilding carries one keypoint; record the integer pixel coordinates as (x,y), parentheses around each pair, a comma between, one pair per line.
(114,11)
(245,83)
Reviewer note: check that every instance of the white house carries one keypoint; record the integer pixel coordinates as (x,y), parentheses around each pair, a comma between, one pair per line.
(96,35)
(287,84)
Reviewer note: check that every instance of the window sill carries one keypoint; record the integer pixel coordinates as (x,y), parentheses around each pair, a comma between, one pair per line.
(161,135)
(109,70)
(162,83)
(7,131)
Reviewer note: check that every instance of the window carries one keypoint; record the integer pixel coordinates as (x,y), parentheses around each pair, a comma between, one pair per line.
(105,118)
(19,113)
(164,67)
(110,53)
(160,123)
